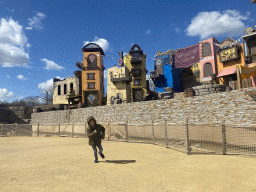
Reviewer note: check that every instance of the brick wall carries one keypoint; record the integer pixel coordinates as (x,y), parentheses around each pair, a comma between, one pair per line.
(229,107)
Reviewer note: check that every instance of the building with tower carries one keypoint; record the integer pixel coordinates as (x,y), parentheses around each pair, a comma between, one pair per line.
(135,62)
(166,76)
(91,75)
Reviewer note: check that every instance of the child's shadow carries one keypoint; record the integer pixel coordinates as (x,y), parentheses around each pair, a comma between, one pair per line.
(119,161)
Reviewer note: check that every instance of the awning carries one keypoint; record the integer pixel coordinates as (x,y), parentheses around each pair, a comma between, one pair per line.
(227,71)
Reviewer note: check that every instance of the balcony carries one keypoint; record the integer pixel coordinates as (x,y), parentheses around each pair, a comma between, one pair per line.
(136,71)
(136,58)
(154,74)
(250,59)
(120,78)
(91,68)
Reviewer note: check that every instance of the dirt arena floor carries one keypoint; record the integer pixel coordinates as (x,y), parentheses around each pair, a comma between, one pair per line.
(66,164)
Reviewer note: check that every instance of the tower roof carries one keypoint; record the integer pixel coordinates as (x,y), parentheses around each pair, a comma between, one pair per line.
(93,47)
(135,48)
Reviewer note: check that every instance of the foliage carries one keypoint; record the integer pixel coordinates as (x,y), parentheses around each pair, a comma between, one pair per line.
(46,95)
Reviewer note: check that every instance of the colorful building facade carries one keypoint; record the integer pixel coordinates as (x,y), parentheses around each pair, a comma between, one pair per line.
(230,54)
(91,75)
(165,73)
(249,42)
(135,62)
(118,85)
(208,59)
(191,76)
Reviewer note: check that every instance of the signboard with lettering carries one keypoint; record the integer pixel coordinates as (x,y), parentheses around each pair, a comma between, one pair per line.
(186,57)
(228,54)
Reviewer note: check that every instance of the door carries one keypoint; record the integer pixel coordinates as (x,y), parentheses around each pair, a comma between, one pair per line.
(137,95)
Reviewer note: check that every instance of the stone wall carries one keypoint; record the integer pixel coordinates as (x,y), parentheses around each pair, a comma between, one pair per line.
(228,107)
(15,114)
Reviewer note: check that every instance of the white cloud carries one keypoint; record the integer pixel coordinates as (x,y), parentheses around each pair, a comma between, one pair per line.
(103,43)
(105,74)
(228,23)
(51,65)
(148,32)
(46,85)
(12,44)
(35,22)
(58,77)
(8,76)
(21,77)
(5,94)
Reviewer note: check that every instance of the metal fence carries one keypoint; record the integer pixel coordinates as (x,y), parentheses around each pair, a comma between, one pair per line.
(15,130)
(186,137)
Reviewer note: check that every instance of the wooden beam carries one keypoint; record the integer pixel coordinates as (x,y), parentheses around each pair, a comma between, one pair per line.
(238,76)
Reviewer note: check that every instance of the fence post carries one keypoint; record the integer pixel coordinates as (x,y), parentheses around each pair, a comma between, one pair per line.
(1,126)
(16,128)
(126,131)
(224,141)
(72,133)
(165,131)
(153,133)
(187,140)
(85,130)
(38,130)
(59,129)
(109,132)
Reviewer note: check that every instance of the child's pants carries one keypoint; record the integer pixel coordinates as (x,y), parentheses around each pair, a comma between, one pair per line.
(95,151)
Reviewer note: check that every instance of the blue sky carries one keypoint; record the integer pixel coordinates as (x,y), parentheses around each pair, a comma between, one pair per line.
(42,40)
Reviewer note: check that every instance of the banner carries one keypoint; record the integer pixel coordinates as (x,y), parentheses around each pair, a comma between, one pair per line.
(247,72)
(186,57)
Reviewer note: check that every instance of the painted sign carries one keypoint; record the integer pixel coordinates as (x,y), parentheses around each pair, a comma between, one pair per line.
(186,57)
(228,54)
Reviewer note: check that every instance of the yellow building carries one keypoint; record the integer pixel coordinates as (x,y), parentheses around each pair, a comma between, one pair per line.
(191,76)
(118,86)
(229,55)
(62,88)
(92,75)
(135,62)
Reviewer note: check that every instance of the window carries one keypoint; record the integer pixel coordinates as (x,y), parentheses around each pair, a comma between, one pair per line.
(91,85)
(136,48)
(166,61)
(71,87)
(90,76)
(135,55)
(136,82)
(65,88)
(59,90)
(206,50)
(207,71)
(92,61)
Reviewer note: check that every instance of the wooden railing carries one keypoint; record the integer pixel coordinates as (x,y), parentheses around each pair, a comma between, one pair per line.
(245,83)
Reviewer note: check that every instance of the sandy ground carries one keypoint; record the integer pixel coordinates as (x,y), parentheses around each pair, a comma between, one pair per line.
(66,164)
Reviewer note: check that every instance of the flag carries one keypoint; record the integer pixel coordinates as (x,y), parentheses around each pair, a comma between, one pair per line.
(247,72)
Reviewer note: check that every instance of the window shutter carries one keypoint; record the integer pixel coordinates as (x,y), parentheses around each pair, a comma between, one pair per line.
(207,70)
(206,50)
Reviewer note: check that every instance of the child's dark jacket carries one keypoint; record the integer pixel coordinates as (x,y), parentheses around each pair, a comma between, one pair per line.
(95,138)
